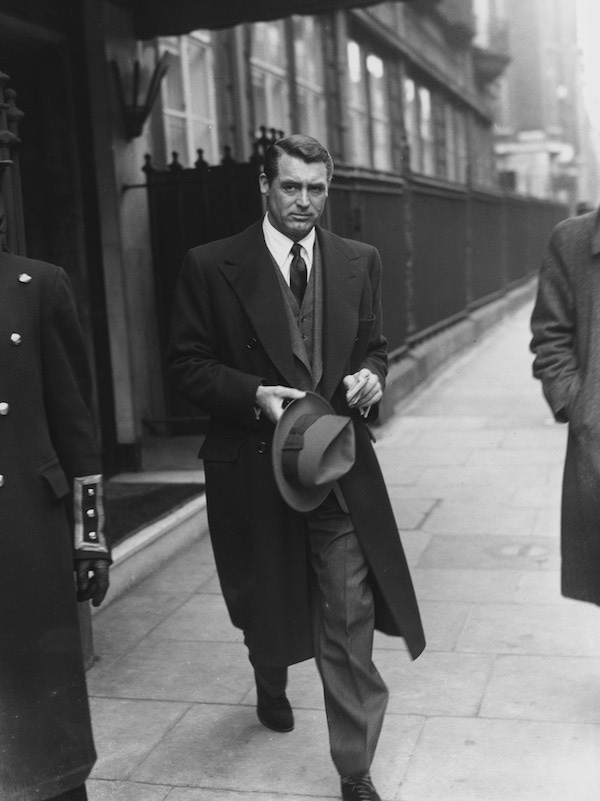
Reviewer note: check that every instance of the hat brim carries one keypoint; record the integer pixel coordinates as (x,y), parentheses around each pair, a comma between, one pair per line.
(302,499)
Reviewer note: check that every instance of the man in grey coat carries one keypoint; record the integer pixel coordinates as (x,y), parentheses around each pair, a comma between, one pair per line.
(566,343)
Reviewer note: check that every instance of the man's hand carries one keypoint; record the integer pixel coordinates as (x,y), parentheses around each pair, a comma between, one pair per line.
(92,586)
(363,389)
(270,400)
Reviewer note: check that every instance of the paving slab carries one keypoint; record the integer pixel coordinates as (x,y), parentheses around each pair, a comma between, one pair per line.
(555,688)
(470,759)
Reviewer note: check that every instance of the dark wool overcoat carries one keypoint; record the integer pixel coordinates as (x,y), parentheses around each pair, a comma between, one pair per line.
(566,343)
(46,438)
(230,333)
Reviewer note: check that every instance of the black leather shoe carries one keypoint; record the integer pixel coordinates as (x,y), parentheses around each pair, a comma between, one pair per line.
(359,788)
(276,713)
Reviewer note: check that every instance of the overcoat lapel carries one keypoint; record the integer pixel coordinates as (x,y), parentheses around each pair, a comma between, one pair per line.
(250,272)
(342,271)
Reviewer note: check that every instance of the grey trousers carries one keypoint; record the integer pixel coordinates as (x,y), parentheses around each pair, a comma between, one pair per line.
(343,624)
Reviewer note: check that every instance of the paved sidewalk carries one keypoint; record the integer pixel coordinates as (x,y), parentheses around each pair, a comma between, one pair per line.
(504,705)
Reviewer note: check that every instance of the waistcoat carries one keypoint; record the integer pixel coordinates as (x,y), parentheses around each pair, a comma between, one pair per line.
(306,325)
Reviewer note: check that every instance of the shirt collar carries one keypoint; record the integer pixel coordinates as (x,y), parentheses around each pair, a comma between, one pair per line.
(280,245)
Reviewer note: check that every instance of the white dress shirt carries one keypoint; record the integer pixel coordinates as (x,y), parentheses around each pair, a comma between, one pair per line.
(280,247)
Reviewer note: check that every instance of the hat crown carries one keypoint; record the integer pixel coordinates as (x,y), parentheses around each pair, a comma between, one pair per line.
(312,448)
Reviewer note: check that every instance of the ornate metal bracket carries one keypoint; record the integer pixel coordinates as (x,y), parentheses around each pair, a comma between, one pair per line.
(12,231)
(136,113)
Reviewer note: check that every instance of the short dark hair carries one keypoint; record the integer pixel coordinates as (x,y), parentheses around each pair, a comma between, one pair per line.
(300,147)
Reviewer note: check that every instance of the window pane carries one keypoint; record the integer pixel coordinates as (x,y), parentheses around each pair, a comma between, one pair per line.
(451,152)
(358,86)
(382,142)
(201,77)
(176,138)
(308,51)
(426,131)
(203,138)
(311,114)
(271,100)
(382,158)
(359,138)
(268,43)
(411,121)
(175,97)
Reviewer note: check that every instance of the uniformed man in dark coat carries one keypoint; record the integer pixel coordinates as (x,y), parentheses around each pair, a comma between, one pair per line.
(260,318)
(51,523)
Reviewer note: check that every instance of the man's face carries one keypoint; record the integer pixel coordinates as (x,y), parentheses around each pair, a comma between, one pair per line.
(296,196)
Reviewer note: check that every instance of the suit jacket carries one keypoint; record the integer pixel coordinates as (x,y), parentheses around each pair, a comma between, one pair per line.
(46,438)
(230,333)
(566,342)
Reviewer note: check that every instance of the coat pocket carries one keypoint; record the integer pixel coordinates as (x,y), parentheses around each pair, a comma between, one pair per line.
(365,325)
(220,449)
(53,473)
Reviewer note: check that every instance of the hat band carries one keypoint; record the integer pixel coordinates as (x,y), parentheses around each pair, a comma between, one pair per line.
(293,445)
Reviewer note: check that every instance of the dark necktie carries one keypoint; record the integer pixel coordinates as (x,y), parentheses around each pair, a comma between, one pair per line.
(297,274)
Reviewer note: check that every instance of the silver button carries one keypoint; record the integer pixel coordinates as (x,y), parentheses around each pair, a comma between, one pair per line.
(4,408)
(16,339)
(90,513)
(92,535)
(1,480)
(91,491)
(24,278)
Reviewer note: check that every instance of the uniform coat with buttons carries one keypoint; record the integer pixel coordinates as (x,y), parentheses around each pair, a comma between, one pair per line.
(566,342)
(230,333)
(46,438)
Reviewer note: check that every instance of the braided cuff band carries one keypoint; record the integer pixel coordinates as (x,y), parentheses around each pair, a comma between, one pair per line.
(88,510)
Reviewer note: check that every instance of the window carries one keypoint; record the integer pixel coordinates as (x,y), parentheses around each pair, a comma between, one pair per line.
(283,51)
(310,77)
(188,97)
(269,75)
(436,130)
(368,112)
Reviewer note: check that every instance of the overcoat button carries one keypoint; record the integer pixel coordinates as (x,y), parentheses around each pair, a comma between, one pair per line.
(24,278)
(4,408)
(262,447)
(90,513)
(1,481)
(16,339)
(251,344)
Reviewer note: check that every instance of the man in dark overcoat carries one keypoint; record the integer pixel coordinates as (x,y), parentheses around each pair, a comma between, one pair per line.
(51,524)
(566,343)
(260,318)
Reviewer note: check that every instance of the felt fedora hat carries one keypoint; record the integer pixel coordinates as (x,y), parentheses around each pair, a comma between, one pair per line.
(312,448)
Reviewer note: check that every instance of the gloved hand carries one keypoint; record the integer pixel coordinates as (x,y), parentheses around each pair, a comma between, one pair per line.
(92,586)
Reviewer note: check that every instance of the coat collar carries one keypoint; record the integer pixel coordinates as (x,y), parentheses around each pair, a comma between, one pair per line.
(249,269)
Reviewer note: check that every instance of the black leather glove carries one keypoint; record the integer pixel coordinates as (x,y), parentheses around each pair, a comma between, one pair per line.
(92,579)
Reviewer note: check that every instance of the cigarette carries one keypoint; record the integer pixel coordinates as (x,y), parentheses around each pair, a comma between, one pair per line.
(353,392)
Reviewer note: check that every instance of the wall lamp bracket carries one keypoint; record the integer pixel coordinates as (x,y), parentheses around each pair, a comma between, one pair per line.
(136,112)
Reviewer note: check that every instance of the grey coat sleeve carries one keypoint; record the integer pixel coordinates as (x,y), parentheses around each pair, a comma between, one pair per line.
(554,327)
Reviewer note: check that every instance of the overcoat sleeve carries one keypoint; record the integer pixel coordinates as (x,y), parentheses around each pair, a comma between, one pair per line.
(67,381)
(553,324)
(67,388)
(375,357)
(202,372)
